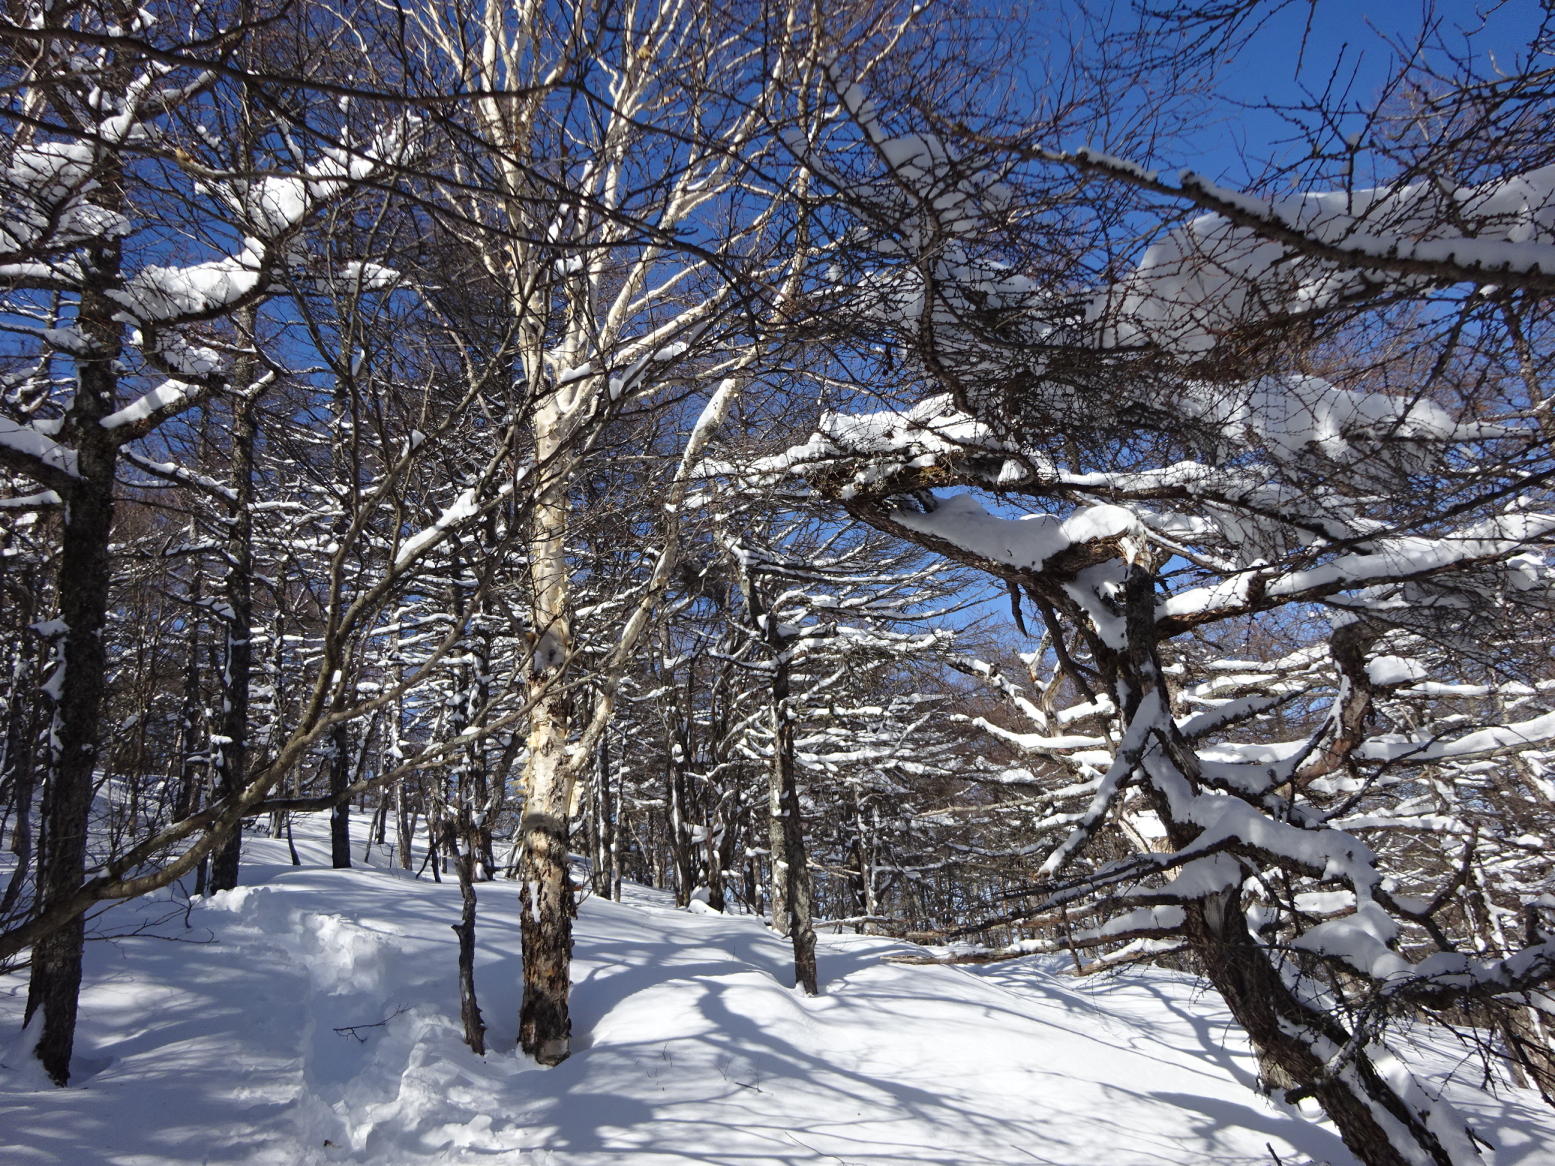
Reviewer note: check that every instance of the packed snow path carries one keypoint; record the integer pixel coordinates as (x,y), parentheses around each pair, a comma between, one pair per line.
(312,1017)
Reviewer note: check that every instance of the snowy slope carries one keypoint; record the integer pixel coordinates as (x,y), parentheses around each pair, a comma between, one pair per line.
(223,1036)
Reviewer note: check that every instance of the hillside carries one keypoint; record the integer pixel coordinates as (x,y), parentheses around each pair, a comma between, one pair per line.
(312,1017)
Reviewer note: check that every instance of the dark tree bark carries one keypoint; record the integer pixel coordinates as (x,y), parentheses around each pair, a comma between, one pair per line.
(464,870)
(545,913)
(18,773)
(795,868)
(682,849)
(340,812)
(193,750)
(1286,1032)
(84,574)
(791,906)
(714,832)
(404,824)
(231,757)
(602,826)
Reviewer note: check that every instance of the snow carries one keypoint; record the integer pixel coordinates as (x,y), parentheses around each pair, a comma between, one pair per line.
(28,441)
(46,185)
(892,438)
(1406,556)
(158,294)
(368,276)
(311,1017)
(31,501)
(1206,277)
(463,508)
(1292,414)
(167,395)
(1026,542)
(1518,735)
(1386,671)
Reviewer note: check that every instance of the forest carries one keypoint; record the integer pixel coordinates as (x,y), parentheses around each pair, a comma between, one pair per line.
(828,463)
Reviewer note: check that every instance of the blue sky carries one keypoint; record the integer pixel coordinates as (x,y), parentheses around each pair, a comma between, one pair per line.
(1304,45)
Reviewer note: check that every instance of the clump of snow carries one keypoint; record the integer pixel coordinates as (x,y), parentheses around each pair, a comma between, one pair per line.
(463,507)
(1026,542)
(1291,415)
(29,441)
(167,395)
(1389,671)
(1211,275)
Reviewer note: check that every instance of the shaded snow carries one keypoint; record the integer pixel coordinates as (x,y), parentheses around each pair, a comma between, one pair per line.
(218,1042)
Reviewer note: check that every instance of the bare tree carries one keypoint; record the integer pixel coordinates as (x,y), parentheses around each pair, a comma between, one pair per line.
(623,175)
(1303,412)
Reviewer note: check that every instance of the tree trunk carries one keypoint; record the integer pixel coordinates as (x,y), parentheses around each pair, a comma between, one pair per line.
(1375,1123)
(790,863)
(545,895)
(67,796)
(193,752)
(340,812)
(545,890)
(464,869)
(714,831)
(404,825)
(545,912)
(1293,1040)
(777,850)
(602,854)
(84,575)
(17,767)
(231,756)
(1528,1041)
(682,849)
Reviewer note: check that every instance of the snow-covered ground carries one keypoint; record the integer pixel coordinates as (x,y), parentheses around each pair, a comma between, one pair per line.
(312,1017)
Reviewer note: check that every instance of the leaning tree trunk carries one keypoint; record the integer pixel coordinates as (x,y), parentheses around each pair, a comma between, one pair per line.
(1525,1033)
(1293,1040)
(1286,1034)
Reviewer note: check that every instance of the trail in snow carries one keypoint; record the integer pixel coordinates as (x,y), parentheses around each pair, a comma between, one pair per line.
(312,1017)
